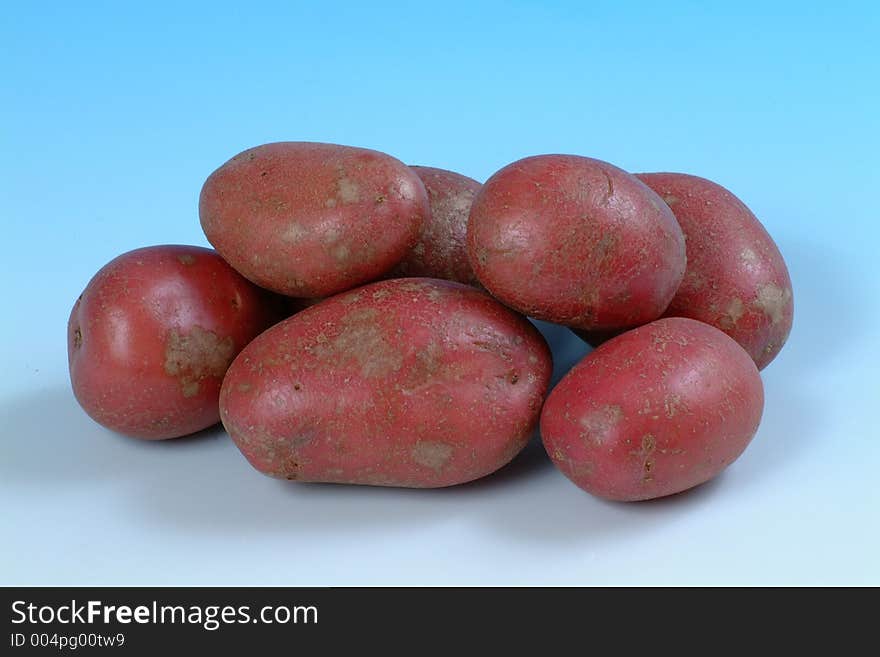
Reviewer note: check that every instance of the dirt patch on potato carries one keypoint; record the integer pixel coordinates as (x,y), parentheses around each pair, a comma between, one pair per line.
(348,191)
(431,454)
(428,367)
(600,423)
(196,355)
(772,300)
(361,341)
(732,315)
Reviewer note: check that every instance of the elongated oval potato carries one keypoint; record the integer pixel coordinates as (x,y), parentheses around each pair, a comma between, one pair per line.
(575,241)
(310,220)
(441,250)
(736,279)
(406,382)
(654,411)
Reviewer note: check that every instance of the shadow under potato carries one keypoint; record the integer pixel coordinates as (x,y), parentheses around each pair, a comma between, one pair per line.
(50,441)
(202,483)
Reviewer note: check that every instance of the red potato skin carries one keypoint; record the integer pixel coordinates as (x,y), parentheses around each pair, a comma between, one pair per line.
(736,279)
(311,220)
(150,338)
(441,250)
(654,411)
(407,382)
(575,241)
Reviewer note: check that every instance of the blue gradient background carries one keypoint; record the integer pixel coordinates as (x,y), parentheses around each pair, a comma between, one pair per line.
(113,115)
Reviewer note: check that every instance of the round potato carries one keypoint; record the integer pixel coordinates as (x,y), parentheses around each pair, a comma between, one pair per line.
(654,411)
(310,220)
(736,279)
(575,241)
(407,382)
(441,250)
(150,338)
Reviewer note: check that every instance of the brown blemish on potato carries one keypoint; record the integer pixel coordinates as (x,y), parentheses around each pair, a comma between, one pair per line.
(648,445)
(244,387)
(294,233)
(600,423)
(186,259)
(425,369)
(435,295)
(431,454)
(291,470)
(610,191)
(340,252)
(199,354)
(330,203)
(670,200)
(694,279)
(673,405)
(735,311)
(331,235)
(361,341)
(351,298)
(77,338)
(581,470)
(417,286)
(748,256)
(603,248)
(348,191)
(772,301)
(494,345)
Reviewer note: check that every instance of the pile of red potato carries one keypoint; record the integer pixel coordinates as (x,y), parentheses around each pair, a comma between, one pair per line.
(362,321)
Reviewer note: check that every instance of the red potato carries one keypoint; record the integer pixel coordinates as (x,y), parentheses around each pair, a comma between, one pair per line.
(655,411)
(150,338)
(575,241)
(441,250)
(407,382)
(736,279)
(310,220)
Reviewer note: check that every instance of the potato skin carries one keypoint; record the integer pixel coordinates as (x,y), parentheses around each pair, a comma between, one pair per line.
(736,279)
(441,250)
(654,411)
(406,382)
(575,241)
(150,338)
(309,219)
